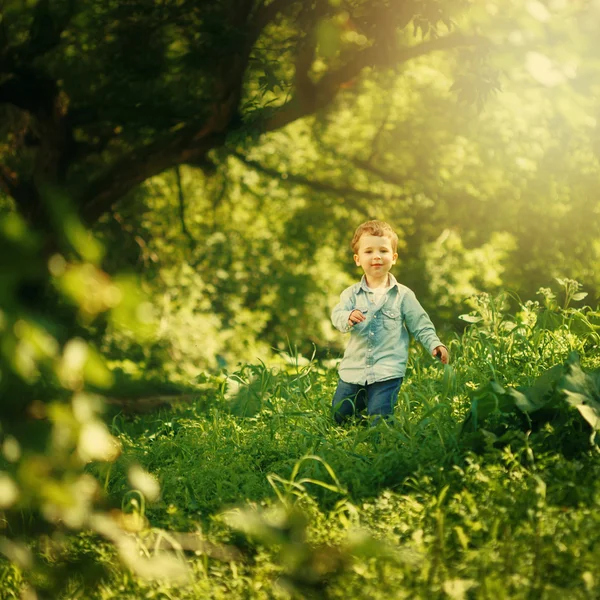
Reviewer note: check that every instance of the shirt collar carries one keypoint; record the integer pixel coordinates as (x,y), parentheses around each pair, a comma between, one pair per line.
(363,282)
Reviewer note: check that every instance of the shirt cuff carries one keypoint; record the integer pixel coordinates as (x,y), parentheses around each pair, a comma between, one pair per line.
(437,345)
(343,321)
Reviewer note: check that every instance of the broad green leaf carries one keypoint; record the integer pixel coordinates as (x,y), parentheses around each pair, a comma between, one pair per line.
(471,318)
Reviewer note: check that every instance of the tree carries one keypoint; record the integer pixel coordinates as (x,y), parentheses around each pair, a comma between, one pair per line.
(99,96)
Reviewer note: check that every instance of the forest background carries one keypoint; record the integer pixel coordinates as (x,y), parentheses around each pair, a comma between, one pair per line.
(477,140)
(180,181)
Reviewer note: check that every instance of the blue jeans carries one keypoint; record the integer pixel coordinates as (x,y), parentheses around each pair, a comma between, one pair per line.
(378,398)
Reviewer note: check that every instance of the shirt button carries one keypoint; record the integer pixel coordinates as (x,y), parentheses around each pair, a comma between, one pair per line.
(372,333)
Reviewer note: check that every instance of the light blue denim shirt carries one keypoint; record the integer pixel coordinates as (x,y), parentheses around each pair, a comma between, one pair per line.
(378,346)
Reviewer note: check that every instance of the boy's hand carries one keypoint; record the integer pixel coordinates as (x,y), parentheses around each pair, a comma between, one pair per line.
(355,317)
(441,353)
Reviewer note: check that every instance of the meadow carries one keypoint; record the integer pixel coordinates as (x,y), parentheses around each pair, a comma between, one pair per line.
(485,485)
(175,227)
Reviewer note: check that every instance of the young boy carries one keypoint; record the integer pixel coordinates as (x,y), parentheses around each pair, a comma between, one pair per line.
(378,312)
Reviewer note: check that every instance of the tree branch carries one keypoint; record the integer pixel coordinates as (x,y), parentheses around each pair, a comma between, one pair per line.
(385,176)
(326,89)
(320,186)
(305,57)
(267,14)
(191,143)
(365,165)
(187,145)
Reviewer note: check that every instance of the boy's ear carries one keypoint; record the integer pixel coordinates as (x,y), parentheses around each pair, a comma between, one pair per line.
(356,260)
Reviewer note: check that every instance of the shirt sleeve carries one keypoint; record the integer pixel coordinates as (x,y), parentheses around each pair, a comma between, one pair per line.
(342,310)
(418,322)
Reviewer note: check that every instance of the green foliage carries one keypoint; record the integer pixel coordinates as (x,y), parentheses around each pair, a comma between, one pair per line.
(545,408)
(257,490)
(486,483)
(462,186)
(52,425)
(502,198)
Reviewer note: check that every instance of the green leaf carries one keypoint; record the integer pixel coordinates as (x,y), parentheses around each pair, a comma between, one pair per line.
(470,318)
(486,400)
(247,397)
(591,414)
(523,402)
(582,390)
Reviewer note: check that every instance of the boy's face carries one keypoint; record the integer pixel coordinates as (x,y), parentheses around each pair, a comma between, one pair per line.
(375,255)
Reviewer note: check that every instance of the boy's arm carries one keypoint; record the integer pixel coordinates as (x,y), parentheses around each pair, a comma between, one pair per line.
(419,323)
(342,310)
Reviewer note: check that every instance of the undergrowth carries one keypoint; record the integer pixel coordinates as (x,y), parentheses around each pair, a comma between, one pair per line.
(470,492)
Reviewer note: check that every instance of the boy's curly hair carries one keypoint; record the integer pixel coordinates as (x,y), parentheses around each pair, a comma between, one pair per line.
(375,228)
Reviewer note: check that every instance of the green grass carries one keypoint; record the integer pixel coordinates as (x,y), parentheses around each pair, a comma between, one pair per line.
(279,502)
